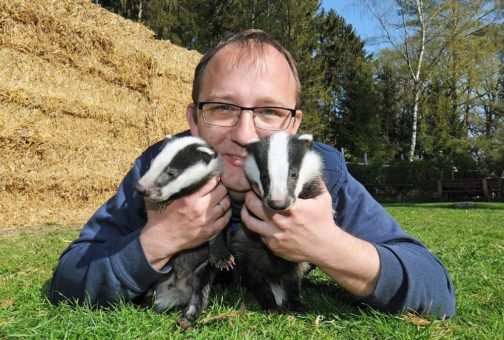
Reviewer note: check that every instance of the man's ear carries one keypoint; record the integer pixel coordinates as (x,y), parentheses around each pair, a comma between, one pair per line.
(297,122)
(191,119)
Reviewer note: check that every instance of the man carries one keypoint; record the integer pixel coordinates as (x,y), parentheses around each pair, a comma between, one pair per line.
(124,248)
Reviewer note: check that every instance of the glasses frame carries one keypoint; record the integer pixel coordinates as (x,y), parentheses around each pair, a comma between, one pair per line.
(251,109)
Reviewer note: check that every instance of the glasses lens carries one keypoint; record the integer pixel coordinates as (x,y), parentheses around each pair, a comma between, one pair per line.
(220,114)
(272,118)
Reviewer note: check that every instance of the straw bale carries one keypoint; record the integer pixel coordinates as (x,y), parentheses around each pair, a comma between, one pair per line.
(82,93)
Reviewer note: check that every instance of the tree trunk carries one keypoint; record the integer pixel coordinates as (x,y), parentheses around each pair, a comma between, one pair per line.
(414,124)
(417,80)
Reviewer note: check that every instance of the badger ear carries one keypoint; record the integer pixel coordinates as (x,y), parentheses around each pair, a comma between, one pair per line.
(206,149)
(167,138)
(307,139)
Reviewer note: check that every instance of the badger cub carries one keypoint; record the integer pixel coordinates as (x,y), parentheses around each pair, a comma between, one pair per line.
(281,168)
(182,166)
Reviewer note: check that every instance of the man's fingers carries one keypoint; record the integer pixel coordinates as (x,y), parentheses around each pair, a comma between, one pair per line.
(255,205)
(219,194)
(223,206)
(209,186)
(254,224)
(214,191)
(222,221)
(215,194)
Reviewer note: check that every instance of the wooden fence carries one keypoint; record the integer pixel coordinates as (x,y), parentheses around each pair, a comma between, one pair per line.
(445,189)
(486,188)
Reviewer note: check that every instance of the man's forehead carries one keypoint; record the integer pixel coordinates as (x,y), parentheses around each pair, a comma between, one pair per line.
(249,75)
(249,53)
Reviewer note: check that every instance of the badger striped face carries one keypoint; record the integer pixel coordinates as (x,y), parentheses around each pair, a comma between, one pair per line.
(182,166)
(282,167)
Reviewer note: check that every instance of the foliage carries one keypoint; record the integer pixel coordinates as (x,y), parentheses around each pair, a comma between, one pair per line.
(469,242)
(461,83)
(368,104)
(351,104)
(394,120)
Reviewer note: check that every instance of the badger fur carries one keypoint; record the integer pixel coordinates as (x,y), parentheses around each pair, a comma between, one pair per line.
(182,166)
(281,168)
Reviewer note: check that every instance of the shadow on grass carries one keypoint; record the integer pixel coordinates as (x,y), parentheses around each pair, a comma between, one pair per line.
(319,297)
(44,290)
(328,299)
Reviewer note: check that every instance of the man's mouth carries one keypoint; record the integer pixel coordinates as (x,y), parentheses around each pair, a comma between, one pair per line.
(235,160)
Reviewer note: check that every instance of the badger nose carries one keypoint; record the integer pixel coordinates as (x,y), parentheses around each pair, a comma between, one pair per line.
(141,189)
(278,204)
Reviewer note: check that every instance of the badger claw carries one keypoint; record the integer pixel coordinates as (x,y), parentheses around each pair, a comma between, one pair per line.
(184,323)
(222,264)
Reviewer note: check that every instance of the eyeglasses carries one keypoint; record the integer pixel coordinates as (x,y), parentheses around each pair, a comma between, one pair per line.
(265,117)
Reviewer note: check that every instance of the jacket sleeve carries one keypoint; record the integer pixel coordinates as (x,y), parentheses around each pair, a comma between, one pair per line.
(410,276)
(107,263)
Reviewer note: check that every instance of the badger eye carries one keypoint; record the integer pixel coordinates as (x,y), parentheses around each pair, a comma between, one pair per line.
(162,180)
(170,172)
(294,174)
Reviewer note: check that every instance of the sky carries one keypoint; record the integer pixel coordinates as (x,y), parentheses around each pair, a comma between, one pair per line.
(359,17)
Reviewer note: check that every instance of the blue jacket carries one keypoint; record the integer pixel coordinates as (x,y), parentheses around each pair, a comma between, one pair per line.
(106,263)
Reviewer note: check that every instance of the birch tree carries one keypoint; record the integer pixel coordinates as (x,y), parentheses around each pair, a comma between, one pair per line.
(440,37)
(408,36)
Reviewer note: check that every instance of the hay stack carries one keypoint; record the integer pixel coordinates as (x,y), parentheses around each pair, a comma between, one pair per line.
(82,93)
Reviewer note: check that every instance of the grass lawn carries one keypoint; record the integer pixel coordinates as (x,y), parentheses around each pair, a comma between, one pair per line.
(470,243)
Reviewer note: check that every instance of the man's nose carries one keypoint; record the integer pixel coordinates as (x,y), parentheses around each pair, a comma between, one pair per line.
(245,131)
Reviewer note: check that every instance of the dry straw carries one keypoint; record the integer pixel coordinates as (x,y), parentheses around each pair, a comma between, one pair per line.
(82,93)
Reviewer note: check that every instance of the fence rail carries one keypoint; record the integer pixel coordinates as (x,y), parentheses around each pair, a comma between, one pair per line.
(472,187)
(445,189)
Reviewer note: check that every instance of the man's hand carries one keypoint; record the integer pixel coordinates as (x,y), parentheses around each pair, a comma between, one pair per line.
(185,223)
(307,232)
(294,234)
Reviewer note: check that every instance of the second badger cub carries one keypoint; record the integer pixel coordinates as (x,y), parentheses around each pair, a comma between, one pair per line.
(281,168)
(182,166)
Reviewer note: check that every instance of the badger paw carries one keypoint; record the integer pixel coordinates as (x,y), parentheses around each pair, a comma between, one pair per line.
(222,263)
(184,323)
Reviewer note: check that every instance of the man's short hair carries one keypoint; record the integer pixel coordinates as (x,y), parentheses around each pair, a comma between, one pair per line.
(252,40)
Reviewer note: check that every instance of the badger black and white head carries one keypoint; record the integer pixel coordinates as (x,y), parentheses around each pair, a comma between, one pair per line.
(182,166)
(284,167)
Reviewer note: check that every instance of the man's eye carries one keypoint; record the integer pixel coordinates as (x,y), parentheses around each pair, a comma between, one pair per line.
(269,112)
(225,107)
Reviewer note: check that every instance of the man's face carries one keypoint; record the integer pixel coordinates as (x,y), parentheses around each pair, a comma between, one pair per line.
(229,77)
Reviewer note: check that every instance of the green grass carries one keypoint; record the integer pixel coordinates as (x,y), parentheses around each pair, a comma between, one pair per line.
(470,242)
